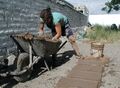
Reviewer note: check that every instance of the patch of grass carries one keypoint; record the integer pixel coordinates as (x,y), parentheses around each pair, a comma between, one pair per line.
(103,34)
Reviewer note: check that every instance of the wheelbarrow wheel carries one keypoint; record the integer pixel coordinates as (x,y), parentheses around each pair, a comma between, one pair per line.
(22,63)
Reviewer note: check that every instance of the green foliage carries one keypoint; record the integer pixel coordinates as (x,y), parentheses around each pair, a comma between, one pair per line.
(113,5)
(114,2)
(103,34)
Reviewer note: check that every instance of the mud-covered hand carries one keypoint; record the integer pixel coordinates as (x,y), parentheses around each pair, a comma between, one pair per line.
(54,38)
(40,33)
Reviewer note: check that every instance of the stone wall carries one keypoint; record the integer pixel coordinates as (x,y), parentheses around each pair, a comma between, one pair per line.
(18,16)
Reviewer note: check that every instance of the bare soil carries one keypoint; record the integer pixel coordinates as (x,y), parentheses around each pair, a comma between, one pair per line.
(65,61)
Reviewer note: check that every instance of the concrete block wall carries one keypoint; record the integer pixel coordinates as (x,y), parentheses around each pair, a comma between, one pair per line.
(19,16)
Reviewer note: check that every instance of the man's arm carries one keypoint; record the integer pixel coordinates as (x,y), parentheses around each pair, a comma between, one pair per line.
(58,31)
(41,27)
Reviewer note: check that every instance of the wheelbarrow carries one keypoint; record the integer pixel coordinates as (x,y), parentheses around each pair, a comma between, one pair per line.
(31,49)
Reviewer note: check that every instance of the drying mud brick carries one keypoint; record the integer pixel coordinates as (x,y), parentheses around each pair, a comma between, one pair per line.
(86,74)
(93,62)
(89,67)
(76,83)
(102,60)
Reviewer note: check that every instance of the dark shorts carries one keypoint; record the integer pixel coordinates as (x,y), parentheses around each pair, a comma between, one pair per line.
(68,30)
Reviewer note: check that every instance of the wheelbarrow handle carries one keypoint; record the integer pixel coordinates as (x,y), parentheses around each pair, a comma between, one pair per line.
(17,43)
(62,45)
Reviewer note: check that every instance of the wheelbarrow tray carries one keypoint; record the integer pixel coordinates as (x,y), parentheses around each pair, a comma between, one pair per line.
(41,45)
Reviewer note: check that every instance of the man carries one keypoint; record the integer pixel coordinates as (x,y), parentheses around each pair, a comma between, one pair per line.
(59,25)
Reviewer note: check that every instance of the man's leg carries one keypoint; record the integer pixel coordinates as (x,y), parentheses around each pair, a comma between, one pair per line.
(72,40)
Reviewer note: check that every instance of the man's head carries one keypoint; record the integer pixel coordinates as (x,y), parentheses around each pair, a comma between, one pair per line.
(46,15)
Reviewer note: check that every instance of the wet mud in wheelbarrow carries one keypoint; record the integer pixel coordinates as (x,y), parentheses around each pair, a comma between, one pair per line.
(32,49)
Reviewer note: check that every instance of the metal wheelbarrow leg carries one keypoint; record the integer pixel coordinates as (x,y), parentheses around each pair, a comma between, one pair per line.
(54,55)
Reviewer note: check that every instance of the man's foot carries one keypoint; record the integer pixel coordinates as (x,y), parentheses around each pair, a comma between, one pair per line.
(80,57)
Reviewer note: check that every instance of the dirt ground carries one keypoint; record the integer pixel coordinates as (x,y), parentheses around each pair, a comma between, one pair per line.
(65,62)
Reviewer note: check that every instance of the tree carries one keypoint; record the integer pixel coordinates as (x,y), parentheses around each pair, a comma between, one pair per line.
(113,5)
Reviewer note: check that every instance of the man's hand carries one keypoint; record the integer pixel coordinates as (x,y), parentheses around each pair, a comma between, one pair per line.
(41,29)
(54,38)
(40,33)
(58,31)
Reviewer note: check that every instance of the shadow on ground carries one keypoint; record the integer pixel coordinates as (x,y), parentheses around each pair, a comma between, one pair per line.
(60,59)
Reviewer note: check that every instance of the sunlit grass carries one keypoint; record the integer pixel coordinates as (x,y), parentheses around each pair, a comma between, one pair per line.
(103,34)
